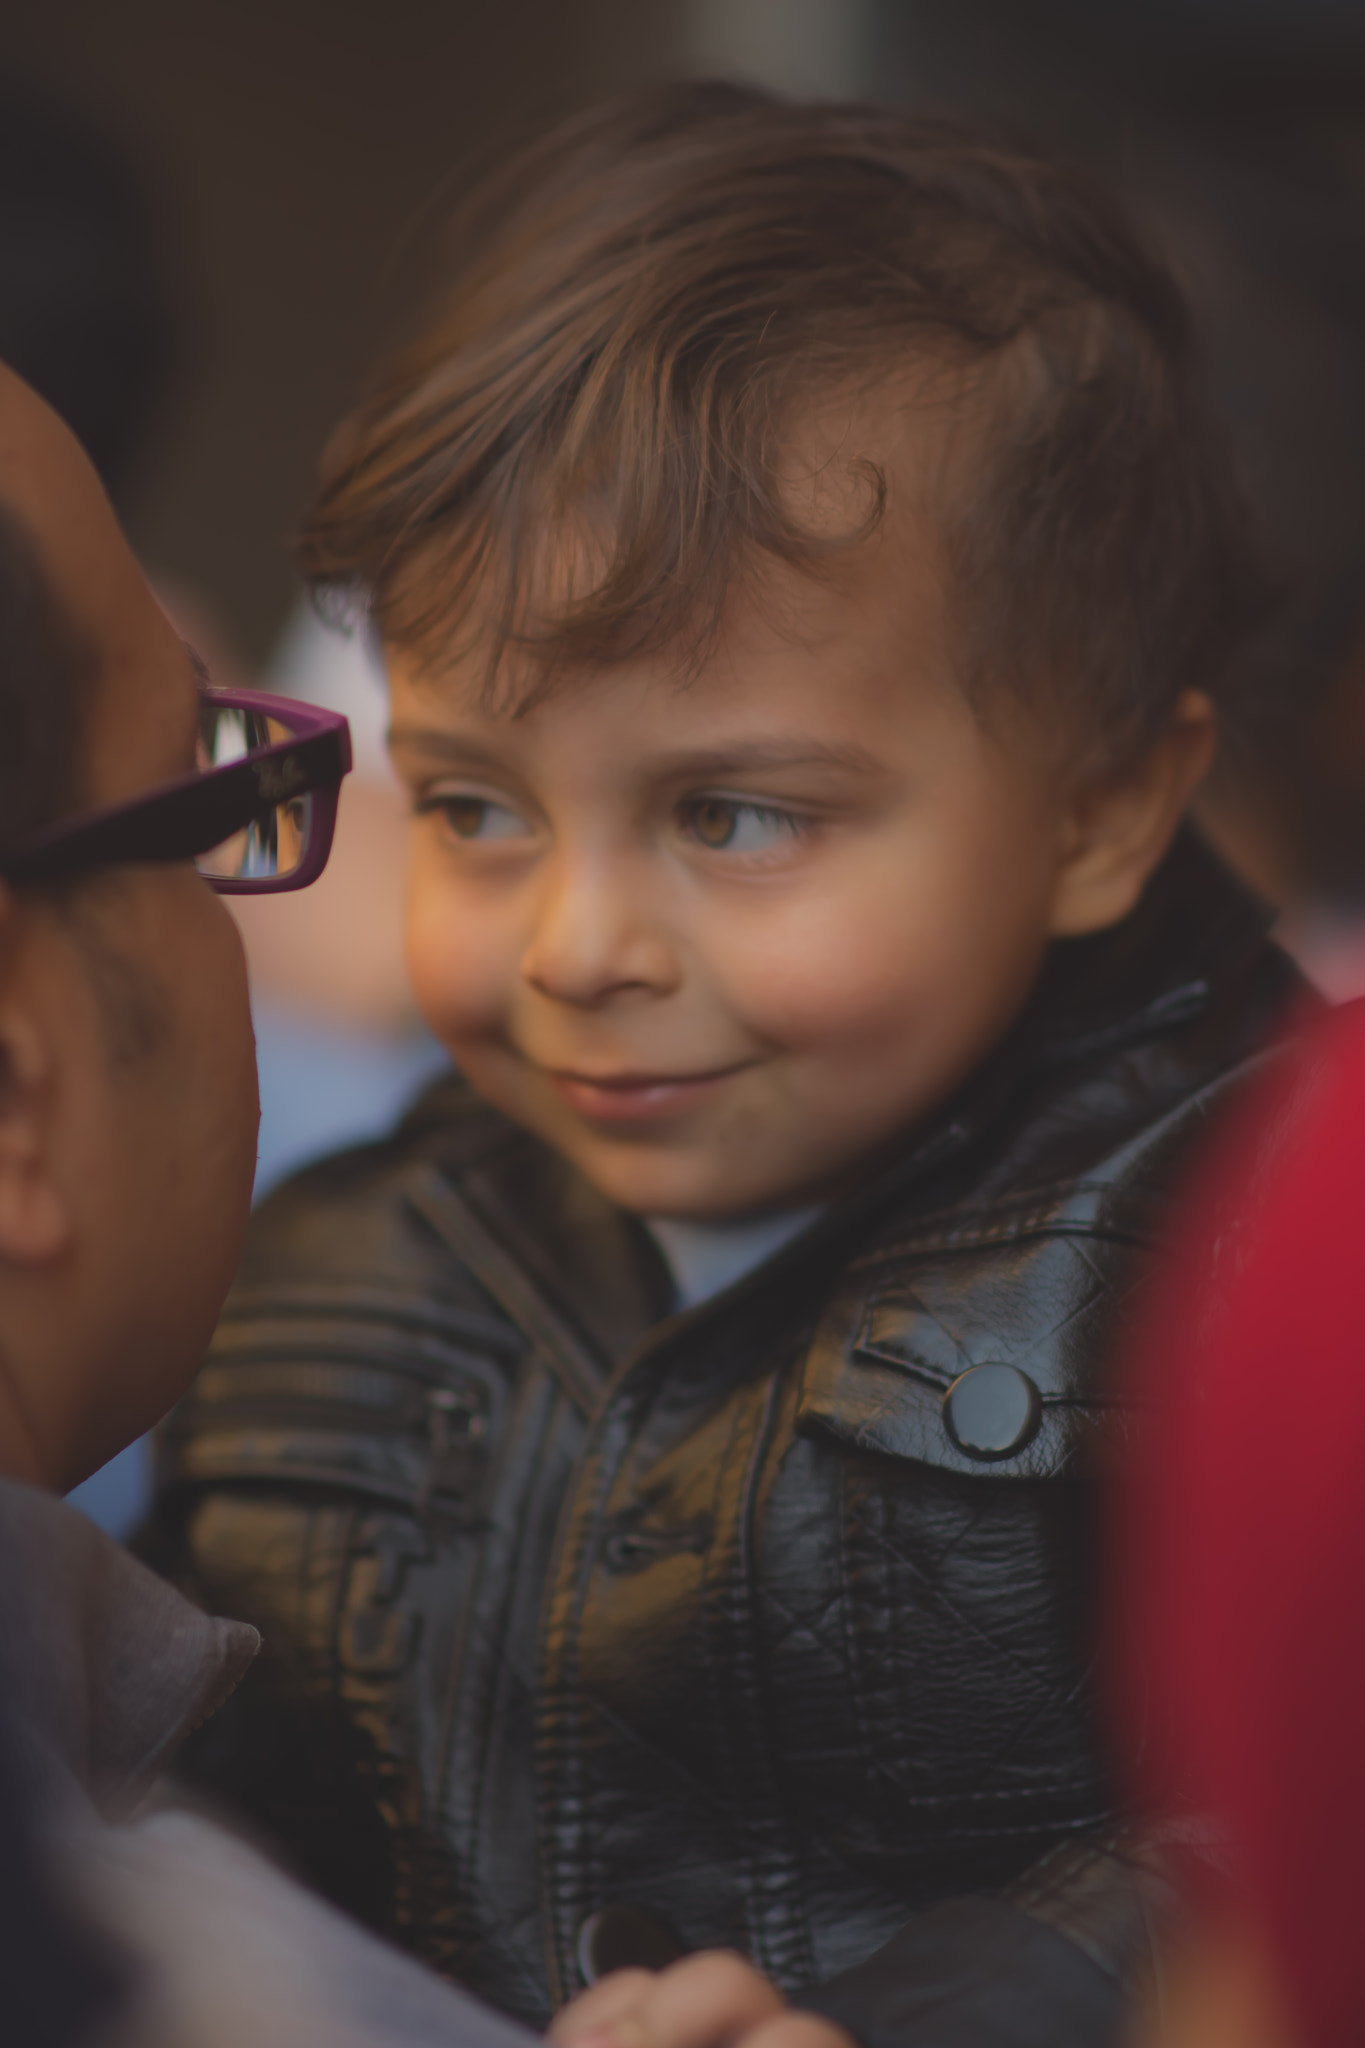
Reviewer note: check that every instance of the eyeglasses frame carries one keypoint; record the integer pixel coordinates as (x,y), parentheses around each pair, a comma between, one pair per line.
(191,815)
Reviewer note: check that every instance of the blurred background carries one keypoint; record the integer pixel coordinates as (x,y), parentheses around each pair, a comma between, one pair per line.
(213,213)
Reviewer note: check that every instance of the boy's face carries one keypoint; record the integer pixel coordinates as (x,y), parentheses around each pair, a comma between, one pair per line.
(722,940)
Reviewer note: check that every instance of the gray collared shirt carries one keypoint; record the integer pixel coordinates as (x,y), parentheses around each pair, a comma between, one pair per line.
(105,1670)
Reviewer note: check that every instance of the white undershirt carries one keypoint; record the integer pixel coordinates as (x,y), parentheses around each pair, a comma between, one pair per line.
(704,1257)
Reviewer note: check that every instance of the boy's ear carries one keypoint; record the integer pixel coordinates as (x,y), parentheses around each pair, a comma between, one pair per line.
(1118,831)
(34,1221)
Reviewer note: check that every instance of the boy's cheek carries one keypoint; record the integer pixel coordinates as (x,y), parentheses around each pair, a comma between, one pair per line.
(462,968)
(875,1019)
(850,975)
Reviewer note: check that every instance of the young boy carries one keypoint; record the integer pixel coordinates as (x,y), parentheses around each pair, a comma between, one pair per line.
(659,1473)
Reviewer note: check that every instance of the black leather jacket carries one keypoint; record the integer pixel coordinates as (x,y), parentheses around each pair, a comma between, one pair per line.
(772,1618)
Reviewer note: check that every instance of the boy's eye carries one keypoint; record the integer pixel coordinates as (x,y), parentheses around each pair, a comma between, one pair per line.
(726,824)
(473,817)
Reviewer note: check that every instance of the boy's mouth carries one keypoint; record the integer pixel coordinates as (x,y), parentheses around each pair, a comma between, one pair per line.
(628,1098)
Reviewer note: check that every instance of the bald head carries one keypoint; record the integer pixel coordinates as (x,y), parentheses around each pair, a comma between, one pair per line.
(46,688)
(127,1083)
(91,665)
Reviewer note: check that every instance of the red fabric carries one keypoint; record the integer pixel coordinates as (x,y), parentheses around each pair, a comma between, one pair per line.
(1243,1525)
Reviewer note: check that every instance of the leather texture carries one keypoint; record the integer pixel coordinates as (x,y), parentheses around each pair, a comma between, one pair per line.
(571,1603)
(975,1973)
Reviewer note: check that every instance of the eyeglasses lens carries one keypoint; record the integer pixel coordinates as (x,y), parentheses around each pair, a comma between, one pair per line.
(275,842)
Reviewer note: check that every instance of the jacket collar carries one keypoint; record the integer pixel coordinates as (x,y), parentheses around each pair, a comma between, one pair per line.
(1194,925)
(106,1668)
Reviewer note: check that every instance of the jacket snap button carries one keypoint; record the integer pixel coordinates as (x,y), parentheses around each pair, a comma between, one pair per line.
(625,1938)
(991,1411)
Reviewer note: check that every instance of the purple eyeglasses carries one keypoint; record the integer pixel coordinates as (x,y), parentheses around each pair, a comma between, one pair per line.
(256,817)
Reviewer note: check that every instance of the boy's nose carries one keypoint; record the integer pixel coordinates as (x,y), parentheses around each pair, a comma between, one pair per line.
(594,940)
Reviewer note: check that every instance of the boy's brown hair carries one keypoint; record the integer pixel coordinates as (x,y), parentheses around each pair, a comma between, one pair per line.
(639,306)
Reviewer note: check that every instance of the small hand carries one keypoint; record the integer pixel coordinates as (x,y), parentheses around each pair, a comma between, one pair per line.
(715,2000)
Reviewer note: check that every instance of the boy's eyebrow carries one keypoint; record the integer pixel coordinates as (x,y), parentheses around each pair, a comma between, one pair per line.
(698,763)
(760,754)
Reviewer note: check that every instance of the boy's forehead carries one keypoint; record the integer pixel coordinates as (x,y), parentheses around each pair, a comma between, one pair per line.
(872,607)
(889,431)
(865,468)
(830,663)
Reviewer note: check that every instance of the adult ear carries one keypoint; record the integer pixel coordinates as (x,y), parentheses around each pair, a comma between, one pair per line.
(1119,829)
(35,1224)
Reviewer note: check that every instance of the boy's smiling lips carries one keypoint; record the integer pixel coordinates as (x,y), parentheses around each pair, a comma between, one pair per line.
(635,1097)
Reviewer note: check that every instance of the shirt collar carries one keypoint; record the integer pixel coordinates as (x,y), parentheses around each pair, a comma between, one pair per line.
(106,1667)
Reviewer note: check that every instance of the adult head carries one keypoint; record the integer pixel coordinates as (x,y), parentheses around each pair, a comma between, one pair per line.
(127,1080)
